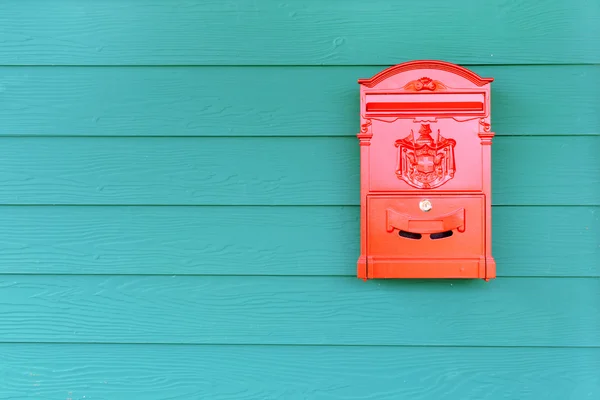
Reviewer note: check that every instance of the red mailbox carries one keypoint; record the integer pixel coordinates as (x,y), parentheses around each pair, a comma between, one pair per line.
(425,154)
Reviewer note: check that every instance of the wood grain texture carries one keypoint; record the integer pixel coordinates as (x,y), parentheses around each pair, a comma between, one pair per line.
(267,32)
(265,101)
(265,171)
(527,241)
(123,372)
(300,310)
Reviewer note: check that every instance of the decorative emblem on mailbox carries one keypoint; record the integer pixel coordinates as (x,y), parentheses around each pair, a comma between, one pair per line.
(425,162)
(425,143)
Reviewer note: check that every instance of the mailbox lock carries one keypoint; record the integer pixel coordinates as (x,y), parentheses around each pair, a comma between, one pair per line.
(425,205)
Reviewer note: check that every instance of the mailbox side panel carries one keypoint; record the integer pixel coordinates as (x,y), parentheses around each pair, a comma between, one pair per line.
(364,137)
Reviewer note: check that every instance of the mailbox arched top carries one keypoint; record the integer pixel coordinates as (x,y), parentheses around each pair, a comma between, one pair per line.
(425,65)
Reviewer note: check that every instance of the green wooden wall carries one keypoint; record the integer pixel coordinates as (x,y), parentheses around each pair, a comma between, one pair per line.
(179,203)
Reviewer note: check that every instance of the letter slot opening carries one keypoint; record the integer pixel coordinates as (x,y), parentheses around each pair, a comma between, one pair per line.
(440,235)
(410,235)
(425,104)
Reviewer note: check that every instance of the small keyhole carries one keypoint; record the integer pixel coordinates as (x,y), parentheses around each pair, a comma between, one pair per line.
(425,205)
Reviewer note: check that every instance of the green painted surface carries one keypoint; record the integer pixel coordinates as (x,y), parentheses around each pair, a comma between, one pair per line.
(249,240)
(265,171)
(302,32)
(266,101)
(179,191)
(300,310)
(125,372)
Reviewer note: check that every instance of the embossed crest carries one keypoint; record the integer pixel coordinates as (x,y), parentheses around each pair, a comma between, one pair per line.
(425,162)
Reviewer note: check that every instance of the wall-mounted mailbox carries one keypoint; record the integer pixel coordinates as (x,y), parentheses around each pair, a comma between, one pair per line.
(425,153)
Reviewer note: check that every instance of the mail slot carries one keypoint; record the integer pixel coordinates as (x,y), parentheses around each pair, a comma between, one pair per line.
(425,173)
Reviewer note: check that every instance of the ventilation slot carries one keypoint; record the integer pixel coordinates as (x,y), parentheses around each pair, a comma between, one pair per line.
(410,235)
(440,235)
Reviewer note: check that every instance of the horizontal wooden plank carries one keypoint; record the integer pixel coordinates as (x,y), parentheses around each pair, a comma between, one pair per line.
(265,101)
(267,32)
(527,241)
(125,372)
(265,171)
(300,310)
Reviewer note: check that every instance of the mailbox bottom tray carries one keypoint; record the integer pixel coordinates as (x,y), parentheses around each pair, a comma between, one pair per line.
(382,268)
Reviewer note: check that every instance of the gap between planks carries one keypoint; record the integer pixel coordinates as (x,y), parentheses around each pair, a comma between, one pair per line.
(430,346)
(294,276)
(282,65)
